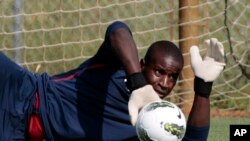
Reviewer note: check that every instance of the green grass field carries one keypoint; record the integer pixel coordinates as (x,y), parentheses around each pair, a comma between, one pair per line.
(219,129)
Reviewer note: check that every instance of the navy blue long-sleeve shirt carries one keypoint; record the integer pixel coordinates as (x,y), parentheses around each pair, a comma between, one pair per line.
(89,102)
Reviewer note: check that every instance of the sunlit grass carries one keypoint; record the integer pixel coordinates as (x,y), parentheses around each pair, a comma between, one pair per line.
(219,128)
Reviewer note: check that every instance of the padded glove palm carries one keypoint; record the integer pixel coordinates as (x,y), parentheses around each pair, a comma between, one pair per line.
(139,98)
(213,64)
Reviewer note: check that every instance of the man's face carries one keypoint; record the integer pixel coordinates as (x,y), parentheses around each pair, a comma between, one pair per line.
(162,73)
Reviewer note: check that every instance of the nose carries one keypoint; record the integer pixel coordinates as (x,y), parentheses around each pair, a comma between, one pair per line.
(164,82)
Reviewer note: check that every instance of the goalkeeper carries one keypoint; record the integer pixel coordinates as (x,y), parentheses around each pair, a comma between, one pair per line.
(100,99)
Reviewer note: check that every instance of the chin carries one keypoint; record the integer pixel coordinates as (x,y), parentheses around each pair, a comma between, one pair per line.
(161,95)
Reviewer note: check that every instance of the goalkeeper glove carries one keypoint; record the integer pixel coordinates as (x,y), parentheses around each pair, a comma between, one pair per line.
(142,94)
(207,70)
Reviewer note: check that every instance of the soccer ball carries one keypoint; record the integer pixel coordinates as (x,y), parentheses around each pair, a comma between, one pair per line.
(161,121)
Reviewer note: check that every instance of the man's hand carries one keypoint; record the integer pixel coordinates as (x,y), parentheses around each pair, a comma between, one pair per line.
(207,70)
(139,98)
(213,64)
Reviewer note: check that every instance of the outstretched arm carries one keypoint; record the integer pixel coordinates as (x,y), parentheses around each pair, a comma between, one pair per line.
(198,120)
(206,71)
(124,49)
(119,48)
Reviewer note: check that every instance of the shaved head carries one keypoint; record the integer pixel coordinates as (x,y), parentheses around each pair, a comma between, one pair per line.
(165,48)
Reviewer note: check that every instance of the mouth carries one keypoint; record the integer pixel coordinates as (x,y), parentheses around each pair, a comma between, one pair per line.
(161,94)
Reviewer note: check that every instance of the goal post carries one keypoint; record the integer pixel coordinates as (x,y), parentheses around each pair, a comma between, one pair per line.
(188,32)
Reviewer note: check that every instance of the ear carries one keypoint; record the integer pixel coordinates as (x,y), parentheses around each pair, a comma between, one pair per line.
(142,63)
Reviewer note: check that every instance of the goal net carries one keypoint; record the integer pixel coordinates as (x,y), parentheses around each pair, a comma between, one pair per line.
(56,36)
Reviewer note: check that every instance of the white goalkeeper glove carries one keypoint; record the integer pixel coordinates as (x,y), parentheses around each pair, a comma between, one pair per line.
(213,64)
(139,98)
(207,70)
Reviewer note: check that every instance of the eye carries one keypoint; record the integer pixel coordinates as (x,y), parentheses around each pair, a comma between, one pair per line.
(159,72)
(175,76)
